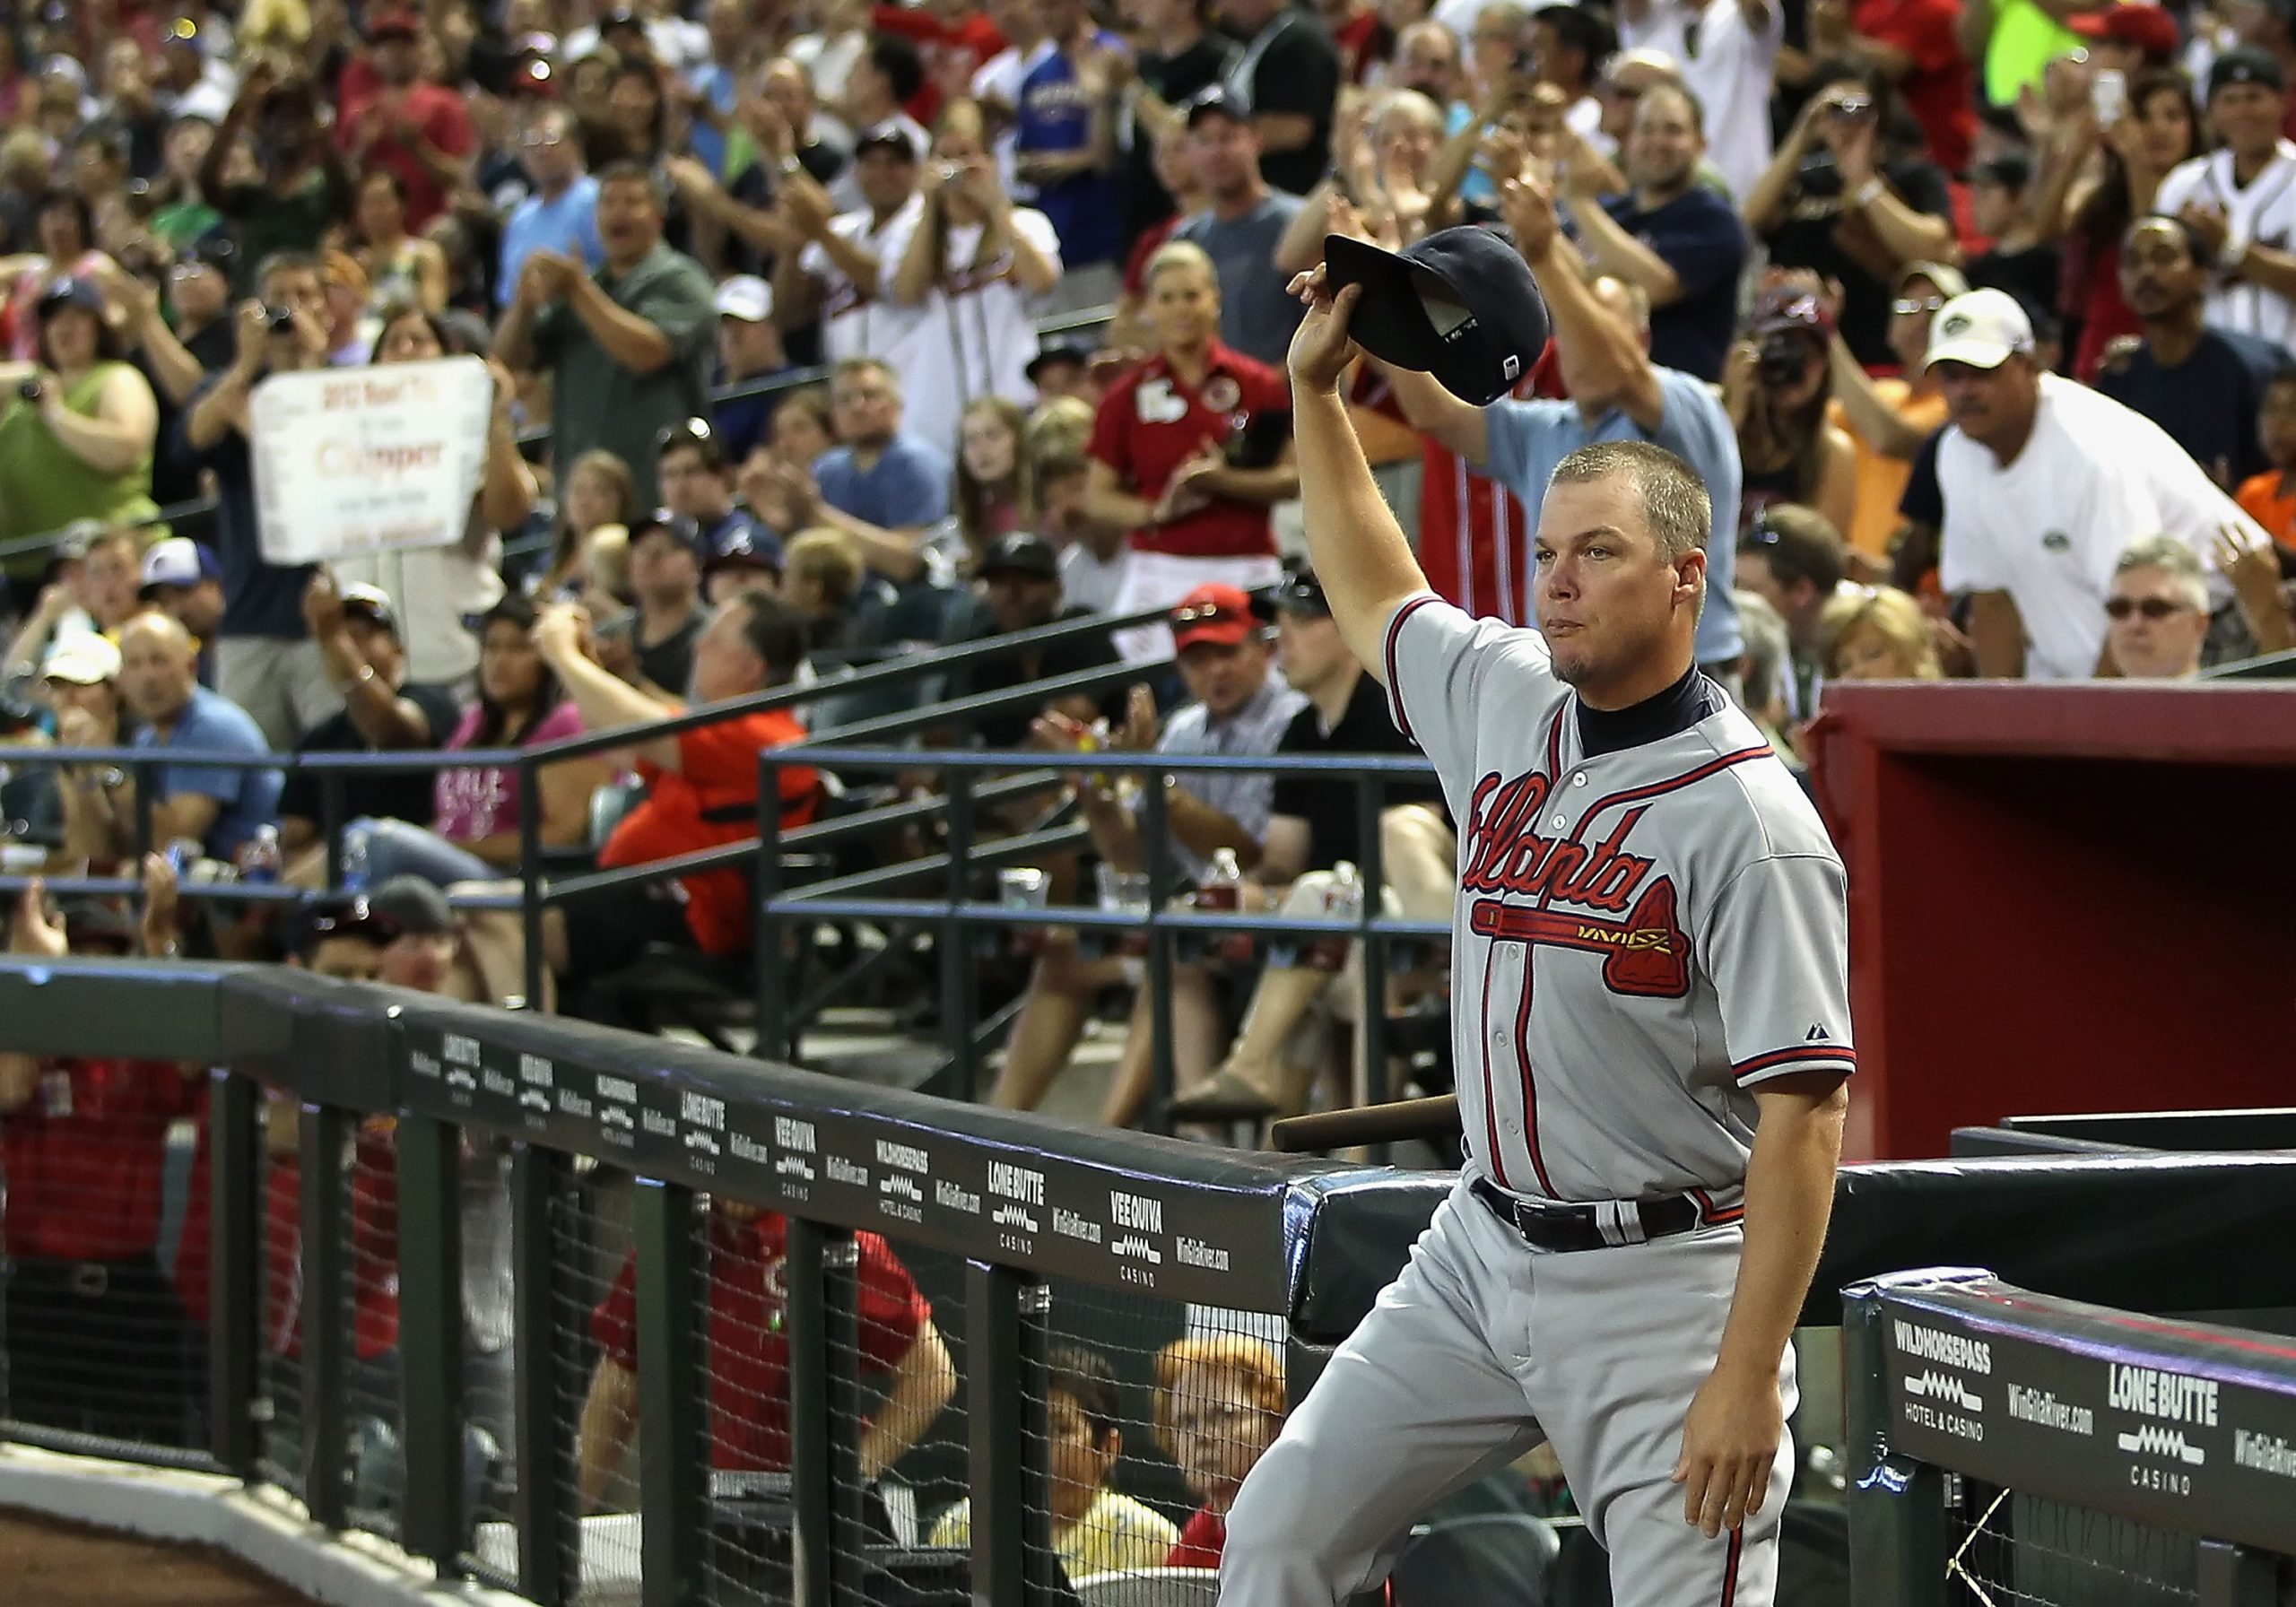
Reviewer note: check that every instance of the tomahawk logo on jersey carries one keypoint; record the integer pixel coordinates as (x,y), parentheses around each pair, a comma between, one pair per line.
(1643,935)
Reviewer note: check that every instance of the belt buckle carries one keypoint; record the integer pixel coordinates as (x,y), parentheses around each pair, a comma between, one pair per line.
(91,1279)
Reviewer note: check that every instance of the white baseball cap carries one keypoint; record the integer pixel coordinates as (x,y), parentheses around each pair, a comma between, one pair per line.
(178,560)
(84,660)
(745,297)
(1980,329)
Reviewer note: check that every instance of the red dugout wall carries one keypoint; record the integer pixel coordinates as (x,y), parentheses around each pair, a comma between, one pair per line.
(2063,898)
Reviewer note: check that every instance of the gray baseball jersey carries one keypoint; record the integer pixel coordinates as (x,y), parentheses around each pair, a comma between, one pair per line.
(1642,936)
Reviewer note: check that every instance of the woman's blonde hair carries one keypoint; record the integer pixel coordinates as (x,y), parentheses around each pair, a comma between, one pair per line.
(826,557)
(1059,428)
(619,480)
(1890,614)
(1255,1362)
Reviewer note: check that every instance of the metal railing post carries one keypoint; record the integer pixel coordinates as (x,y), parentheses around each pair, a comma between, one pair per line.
(549,1519)
(1897,1506)
(824,1483)
(1155,836)
(1372,879)
(530,880)
(325,1319)
(331,824)
(1005,1321)
(431,1334)
(673,1453)
(142,833)
(958,1074)
(773,970)
(234,1271)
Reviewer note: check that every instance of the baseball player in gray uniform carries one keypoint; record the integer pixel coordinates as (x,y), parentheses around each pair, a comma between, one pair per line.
(1652,1037)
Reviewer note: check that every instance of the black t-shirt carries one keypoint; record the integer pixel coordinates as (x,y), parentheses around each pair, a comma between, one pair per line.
(2208,402)
(175,468)
(1328,805)
(403,796)
(1699,235)
(1176,79)
(1297,74)
(668,663)
(2034,275)
(1009,727)
(1806,239)
(1924,502)
(259,598)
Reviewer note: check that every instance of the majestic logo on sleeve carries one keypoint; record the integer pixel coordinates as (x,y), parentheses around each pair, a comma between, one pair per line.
(1607,908)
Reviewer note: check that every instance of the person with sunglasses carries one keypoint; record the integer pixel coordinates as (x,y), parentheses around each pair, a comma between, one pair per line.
(2156,611)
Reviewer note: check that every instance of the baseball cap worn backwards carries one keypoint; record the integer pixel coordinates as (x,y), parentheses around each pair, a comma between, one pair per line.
(1459,305)
(1981,329)
(178,561)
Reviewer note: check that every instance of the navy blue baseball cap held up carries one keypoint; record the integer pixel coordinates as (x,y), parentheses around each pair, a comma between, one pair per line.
(1460,305)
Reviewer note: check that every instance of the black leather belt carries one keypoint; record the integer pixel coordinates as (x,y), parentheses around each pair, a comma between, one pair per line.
(1555,1225)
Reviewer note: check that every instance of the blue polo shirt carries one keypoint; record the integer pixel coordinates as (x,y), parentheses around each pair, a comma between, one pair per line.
(907,485)
(1055,115)
(212,723)
(568,226)
(1528,438)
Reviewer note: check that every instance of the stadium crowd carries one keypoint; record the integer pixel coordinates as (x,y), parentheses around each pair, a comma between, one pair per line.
(1973,315)
(1973,319)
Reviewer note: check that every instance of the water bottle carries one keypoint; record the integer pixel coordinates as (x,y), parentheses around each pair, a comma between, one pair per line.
(1342,902)
(354,856)
(182,854)
(1222,892)
(260,862)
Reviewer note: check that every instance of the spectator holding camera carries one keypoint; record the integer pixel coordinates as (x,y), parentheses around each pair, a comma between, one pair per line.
(1777,388)
(1850,195)
(972,264)
(77,430)
(265,662)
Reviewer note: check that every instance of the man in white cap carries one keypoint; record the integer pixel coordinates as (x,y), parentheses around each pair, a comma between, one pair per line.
(749,350)
(2045,483)
(183,580)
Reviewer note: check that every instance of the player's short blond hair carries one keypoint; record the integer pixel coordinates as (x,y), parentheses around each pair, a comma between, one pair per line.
(1674,503)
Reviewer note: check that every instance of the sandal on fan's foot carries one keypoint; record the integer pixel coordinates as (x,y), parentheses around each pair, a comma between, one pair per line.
(1225,1096)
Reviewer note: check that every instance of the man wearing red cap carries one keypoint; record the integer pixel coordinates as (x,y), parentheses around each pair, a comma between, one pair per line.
(388,118)
(2128,38)
(1238,707)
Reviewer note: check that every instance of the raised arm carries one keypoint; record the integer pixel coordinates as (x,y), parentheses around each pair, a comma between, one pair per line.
(1359,552)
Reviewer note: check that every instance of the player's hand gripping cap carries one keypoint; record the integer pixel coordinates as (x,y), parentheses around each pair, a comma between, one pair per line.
(1460,305)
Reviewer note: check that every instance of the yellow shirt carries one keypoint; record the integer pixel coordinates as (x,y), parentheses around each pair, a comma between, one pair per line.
(1882,480)
(1117,1534)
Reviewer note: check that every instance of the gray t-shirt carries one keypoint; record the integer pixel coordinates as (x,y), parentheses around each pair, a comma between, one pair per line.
(1244,796)
(1257,316)
(602,403)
